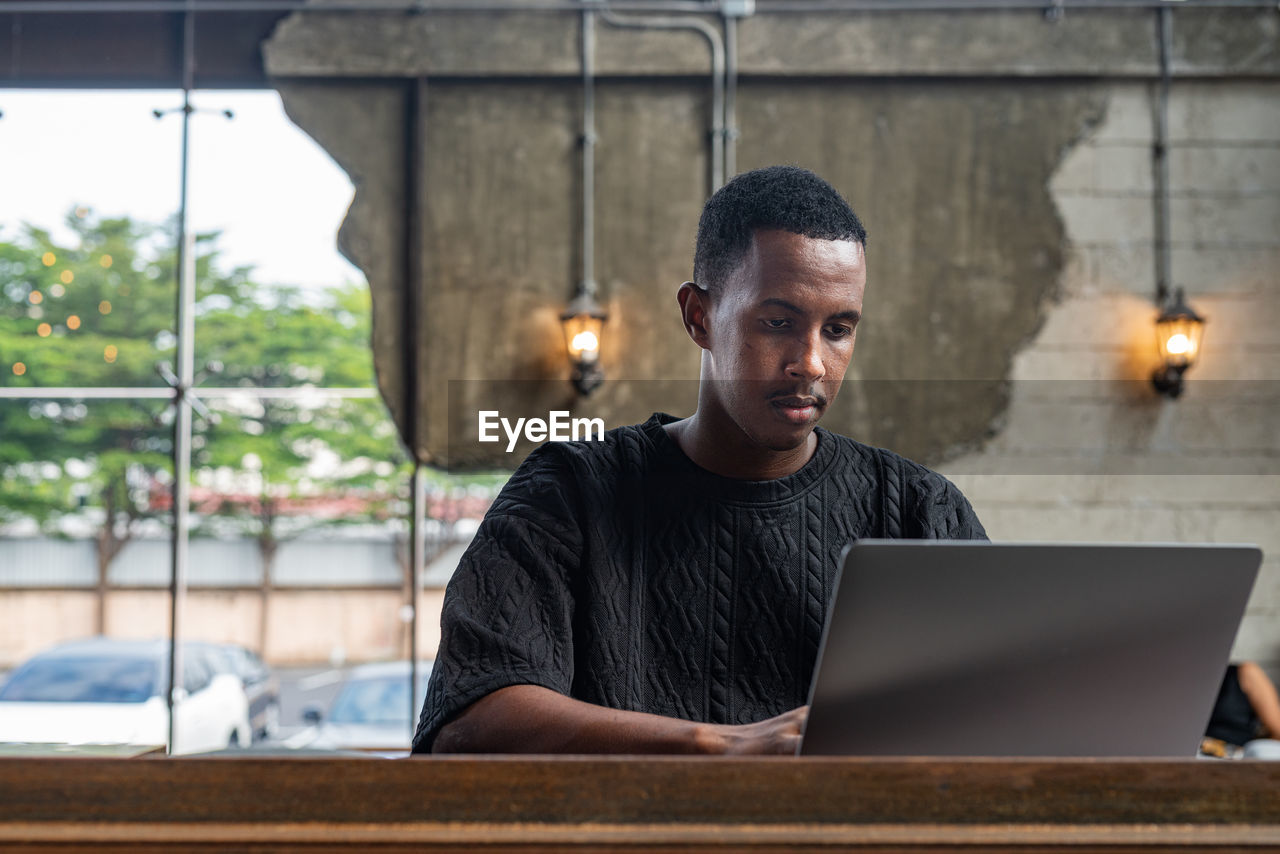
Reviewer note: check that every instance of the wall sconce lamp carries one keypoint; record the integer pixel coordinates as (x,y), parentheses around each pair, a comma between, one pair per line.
(1178,332)
(1178,328)
(583,324)
(583,319)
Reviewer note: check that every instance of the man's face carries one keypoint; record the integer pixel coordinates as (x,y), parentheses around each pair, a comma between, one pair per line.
(780,335)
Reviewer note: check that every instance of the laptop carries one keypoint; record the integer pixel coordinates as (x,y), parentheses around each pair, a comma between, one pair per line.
(964,648)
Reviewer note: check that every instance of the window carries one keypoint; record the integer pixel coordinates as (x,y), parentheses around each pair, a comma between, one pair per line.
(299,495)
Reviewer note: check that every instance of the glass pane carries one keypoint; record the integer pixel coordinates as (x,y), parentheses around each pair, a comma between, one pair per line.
(84,496)
(254,336)
(299,551)
(87,273)
(278,305)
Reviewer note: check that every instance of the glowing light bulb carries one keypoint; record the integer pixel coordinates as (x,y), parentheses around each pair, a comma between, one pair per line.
(104,307)
(105,260)
(19,369)
(110,352)
(1178,345)
(67,276)
(49,259)
(585,341)
(73,322)
(36,297)
(44,330)
(57,291)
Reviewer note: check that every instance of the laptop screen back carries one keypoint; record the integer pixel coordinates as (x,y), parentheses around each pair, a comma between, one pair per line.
(977,649)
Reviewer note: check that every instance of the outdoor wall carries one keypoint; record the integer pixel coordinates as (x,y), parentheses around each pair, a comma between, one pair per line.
(1002,165)
(331,599)
(33,620)
(305,627)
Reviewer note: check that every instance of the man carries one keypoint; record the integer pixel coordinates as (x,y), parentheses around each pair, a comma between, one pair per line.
(664,590)
(1245,722)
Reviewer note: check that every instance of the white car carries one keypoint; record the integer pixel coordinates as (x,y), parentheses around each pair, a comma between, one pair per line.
(107,691)
(370,713)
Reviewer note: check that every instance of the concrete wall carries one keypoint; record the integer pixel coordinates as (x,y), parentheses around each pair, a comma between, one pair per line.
(145,562)
(942,128)
(338,599)
(31,620)
(1002,165)
(304,626)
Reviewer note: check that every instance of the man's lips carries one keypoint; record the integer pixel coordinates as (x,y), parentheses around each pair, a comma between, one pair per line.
(799,409)
(798,400)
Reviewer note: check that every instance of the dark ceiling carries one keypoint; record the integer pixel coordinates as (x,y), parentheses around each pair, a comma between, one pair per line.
(141,50)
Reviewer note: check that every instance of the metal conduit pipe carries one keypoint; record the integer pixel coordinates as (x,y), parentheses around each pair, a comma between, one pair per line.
(1164,227)
(765,7)
(717,74)
(731,133)
(588,153)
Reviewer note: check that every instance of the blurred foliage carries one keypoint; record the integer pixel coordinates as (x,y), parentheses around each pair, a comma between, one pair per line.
(99,312)
(94,313)
(274,468)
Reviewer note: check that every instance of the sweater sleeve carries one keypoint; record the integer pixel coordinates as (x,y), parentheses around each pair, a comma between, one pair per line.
(508,610)
(936,509)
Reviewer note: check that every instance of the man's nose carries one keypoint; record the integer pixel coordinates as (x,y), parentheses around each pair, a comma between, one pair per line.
(806,363)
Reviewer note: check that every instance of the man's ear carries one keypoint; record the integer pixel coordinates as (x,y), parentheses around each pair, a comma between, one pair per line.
(695,311)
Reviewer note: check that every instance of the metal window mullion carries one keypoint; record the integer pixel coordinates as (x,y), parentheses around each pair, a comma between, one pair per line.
(414,166)
(204,393)
(166,393)
(417,531)
(184,326)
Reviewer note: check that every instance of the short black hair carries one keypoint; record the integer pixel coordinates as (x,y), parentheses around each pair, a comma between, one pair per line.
(785,198)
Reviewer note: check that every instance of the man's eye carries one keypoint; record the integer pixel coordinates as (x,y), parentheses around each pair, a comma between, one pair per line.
(839,331)
(778,323)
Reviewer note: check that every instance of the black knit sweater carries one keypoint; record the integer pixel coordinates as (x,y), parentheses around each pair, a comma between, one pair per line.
(620,573)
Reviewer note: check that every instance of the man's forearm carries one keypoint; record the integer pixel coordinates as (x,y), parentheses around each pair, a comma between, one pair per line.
(1261,691)
(532,719)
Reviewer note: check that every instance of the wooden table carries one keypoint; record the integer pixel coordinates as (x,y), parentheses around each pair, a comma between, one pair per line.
(636,804)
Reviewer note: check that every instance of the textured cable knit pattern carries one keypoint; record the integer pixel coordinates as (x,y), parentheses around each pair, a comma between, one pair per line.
(620,573)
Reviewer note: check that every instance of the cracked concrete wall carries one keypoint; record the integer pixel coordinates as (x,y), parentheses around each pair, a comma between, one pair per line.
(964,237)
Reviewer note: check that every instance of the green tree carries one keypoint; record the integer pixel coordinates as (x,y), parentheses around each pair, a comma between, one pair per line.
(95,313)
(99,312)
(298,462)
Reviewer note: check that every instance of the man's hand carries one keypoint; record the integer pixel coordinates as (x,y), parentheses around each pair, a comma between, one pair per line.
(777,735)
(532,719)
